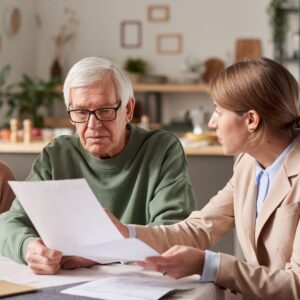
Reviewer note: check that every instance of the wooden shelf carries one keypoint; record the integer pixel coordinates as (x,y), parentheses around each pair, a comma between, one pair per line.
(171,88)
(36,148)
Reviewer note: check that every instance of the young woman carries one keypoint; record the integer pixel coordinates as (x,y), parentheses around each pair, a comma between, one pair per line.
(256,117)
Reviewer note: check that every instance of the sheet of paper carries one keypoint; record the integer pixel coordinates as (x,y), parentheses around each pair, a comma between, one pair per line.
(69,218)
(8,288)
(129,288)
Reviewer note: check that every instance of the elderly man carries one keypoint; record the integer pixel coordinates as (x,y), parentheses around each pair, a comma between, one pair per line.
(141,176)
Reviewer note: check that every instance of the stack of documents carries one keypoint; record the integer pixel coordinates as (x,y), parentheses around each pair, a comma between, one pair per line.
(131,288)
(69,218)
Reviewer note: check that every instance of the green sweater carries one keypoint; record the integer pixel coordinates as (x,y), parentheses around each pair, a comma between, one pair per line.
(147,183)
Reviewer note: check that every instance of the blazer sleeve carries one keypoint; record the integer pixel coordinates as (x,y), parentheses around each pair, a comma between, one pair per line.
(202,229)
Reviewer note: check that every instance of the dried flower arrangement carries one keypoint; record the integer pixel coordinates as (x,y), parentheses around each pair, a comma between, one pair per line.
(66,33)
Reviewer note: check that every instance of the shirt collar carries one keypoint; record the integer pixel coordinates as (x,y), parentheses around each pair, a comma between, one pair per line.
(274,167)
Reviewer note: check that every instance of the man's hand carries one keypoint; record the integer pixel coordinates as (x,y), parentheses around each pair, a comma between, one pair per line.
(42,260)
(74,262)
(177,262)
(122,228)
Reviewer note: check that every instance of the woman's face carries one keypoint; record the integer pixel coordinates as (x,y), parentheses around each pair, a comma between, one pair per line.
(232,130)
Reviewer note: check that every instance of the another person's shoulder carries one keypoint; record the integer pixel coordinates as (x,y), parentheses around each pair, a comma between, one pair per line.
(5,170)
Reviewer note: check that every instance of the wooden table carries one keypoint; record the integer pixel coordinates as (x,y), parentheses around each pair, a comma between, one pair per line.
(12,271)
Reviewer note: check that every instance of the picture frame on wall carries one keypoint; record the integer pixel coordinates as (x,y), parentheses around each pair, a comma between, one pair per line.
(158,13)
(131,34)
(169,43)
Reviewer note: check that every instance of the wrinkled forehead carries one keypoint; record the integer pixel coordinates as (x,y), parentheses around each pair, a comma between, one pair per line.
(100,92)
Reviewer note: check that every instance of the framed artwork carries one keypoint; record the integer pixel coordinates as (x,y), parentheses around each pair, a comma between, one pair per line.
(170,43)
(131,34)
(158,13)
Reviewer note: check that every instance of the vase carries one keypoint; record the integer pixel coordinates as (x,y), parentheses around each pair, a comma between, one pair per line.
(56,71)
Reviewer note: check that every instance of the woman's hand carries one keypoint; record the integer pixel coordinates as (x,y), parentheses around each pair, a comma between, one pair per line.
(122,228)
(74,262)
(177,262)
(41,259)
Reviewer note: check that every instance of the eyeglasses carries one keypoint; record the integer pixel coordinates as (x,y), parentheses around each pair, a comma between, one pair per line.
(102,114)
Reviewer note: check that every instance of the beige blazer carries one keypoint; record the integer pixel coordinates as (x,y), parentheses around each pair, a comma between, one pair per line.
(271,243)
(6,194)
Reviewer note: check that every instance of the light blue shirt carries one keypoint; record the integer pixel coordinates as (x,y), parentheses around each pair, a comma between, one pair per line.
(264,180)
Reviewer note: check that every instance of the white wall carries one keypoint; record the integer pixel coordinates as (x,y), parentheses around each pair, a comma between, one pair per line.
(209,28)
(20,50)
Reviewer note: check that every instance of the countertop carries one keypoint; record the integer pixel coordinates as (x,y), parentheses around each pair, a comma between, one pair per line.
(36,147)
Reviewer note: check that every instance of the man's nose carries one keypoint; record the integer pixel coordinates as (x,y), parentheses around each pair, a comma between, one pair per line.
(93,121)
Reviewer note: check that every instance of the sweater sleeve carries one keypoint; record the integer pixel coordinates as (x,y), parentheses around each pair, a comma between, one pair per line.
(16,228)
(173,198)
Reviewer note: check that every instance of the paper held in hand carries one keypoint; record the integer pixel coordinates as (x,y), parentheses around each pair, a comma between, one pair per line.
(69,218)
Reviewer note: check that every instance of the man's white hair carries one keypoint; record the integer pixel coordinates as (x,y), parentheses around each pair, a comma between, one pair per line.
(91,69)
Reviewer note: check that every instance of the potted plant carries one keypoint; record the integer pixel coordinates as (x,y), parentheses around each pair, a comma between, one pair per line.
(279,24)
(27,97)
(135,67)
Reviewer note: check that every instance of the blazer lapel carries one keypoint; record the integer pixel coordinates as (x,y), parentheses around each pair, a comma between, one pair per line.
(280,187)
(249,212)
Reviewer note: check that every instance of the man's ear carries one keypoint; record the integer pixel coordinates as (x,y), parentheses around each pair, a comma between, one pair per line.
(129,109)
(253,120)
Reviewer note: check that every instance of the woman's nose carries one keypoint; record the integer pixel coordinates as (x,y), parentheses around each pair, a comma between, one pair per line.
(212,124)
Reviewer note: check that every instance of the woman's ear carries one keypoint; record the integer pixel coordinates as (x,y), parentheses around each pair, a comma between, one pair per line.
(253,120)
(130,109)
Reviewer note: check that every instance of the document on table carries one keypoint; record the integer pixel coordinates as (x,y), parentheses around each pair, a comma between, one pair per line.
(131,288)
(69,218)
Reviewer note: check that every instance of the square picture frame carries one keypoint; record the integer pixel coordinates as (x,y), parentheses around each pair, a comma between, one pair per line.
(131,34)
(169,43)
(158,13)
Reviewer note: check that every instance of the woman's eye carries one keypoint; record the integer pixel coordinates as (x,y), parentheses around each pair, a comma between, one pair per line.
(218,112)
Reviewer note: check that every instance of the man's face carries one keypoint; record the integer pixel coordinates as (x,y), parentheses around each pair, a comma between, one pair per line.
(102,139)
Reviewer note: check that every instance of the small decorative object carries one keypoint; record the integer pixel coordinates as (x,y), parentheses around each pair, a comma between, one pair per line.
(56,71)
(153,78)
(14,126)
(135,68)
(197,117)
(65,36)
(191,69)
(131,34)
(27,126)
(158,13)
(170,43)
(12,20)
(212,66)
(247,48)
(145,122)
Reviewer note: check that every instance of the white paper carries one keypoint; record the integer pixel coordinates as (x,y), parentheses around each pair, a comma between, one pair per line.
(130,288)
(69,218)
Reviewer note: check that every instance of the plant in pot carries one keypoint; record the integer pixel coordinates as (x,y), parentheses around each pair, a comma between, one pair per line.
(135,68)
(279,25)
(27,97)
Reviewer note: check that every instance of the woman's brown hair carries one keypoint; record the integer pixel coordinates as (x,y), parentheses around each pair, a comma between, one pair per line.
(262,85)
